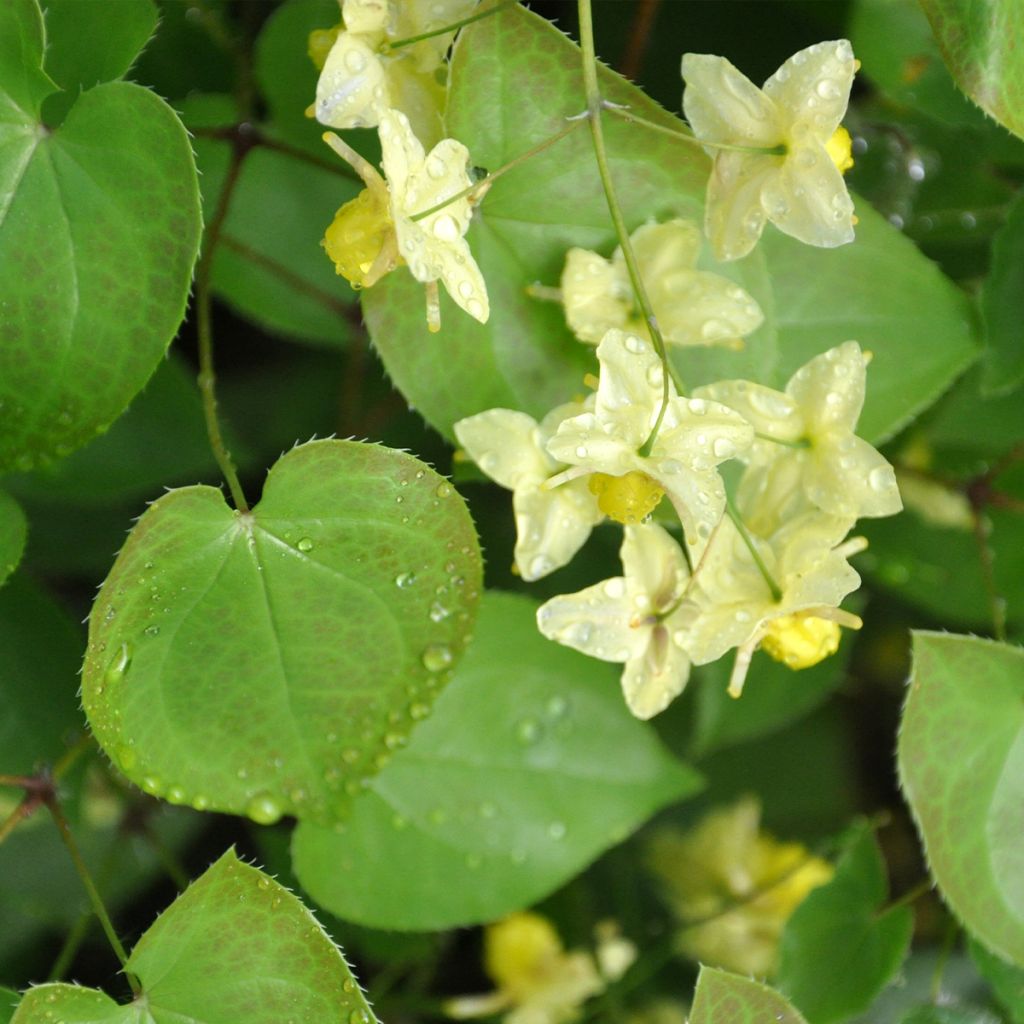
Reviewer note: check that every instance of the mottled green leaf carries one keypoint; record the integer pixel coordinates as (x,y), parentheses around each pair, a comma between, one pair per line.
(99,227)
(1002,303)
(724,998)
(236,946)
(840,948)
(980,42)
(13,530)
(1006,980)
(961,762)
(529,768)
(92,44)
(265,662)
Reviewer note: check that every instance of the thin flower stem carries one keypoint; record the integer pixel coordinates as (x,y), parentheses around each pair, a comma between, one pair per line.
(453,27)
(64,829)
(28,805)
(910,896)
(802,443)
(741,528)
(595,106)
(685,136)
(485,183)
(207,376)
(997,603)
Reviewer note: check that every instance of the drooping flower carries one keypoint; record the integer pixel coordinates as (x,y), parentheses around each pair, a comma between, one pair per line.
(805,448)
(693,307)
(694,438)
(361,78)
(380,228)
(539,981)
(796,178)
(640,618)
(552,524)
(806,559)
(734,887)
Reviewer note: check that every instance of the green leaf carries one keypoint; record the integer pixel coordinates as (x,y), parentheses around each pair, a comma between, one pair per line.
(8,1001)
(979,44)
(13,530)
(881,292)
(949,1015)
(23,86)
(529,768)
(1002,303)
(724,998)
(99,229)
(1006,980)
(38,677)
(961,763)
(524,357)
(88,45)
(264,663)
(236,946)
(840,948)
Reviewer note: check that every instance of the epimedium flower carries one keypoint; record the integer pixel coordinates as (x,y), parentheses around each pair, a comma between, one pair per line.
(792,150)
(510,447)
(382,227)
(539,981)
(640,618)
(733,887)
(780,593)
(362,78)
(693,307)
(695,436)
(805,446)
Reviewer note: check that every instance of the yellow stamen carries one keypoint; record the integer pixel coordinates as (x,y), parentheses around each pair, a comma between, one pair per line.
(517,949)
(840,148)
(357,236)
(320,42)
(626,499)
(800,641)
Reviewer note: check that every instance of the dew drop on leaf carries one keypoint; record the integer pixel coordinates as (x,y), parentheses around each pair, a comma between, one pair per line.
(264,809)
(436,657)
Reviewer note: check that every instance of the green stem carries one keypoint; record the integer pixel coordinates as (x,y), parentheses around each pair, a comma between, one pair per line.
(801,443)
(485,183)
(595,106)
(94,897)
(910,896)
(207,378)
(25,809)
(453,27)
(686,136)
(741,528)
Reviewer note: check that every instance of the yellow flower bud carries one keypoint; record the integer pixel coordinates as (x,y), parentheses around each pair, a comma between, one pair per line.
(357,236)
(840,148)
(319,45)
(800,641)
(518,949)
(630,498)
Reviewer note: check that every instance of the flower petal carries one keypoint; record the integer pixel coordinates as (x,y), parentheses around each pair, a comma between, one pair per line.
(661,249)
(698,308)
(590,294)
(400,154)
(830,389)
(506,445)
(723,105)
(551,526)
(583,441)
(595,621)
(734,218)
(631,378)
(351,91)
(850,478)
(653,680)
(365,16)
(813,86)
(654,564)
(771,413)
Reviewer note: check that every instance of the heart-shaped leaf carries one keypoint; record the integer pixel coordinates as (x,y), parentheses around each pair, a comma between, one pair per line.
(961,762)
(268,662)
(529,768)
(724,998)
(99,228)
(235,946)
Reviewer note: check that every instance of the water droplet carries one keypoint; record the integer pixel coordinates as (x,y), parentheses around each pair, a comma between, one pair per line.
(881,478)
(405,579)
(557,706)
(264,809)
(540,565)
(438,612)
(436,657)
(119,665)
(175,795)
(355,61)
(305,545)
(152,630)
(528,731)
(443,489)
(634,344)
(581,451)
(419,711)
(446,229)
(723,448)
(556,830)
(152,785)
(348,986)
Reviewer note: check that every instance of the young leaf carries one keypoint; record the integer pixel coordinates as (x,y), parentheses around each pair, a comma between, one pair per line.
(99,227)
(89,46)
(13,530)
(264,663)
(724,998)
(840,948)
(529,768)
(961,763)
(1002,303)
(979,43)
(1006,980)
(236,946)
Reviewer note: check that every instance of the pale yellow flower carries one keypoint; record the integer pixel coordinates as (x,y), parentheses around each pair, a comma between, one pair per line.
(734,887)
(796,180)
(640,618)
(693,307)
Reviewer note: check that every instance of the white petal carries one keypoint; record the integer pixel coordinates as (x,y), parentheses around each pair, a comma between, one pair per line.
(583,441)
(830,389)
(771,413)
(661,249)
(591,296)
(365,16)
(351,91)
(808,198)
(631,375)
(551,526)
(595,621)
(697,308)
(505,444)
(723,105)
(651,682)
(699,501)
(401,155)
(734,218)
(654,564)
(461,277)
(848,477)
(813,86)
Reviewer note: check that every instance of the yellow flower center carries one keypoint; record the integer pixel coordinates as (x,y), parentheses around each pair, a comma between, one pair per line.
(840,149)
(357,235)
(518,948)
(801,641)
(320,42)
(626,499)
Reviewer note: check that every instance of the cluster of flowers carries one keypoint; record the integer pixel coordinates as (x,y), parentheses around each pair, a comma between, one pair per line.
(767,568)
